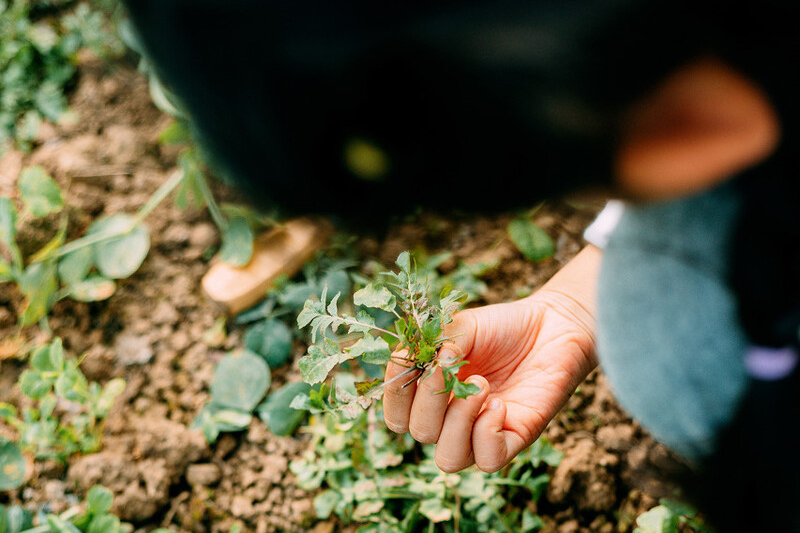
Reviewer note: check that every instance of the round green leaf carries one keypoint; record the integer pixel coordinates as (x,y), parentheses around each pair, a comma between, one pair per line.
(277,413)
(40,193)
(99,500)
(12,465)
(106,523)
(74,266)
(237,242)
(240,381)
(49,358)
(93,289)
(534,243)
(122,255)
(33,385)
(271,339)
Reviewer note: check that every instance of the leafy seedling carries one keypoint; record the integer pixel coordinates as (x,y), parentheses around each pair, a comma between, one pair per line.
(671,516)
(92,516)
(84,269)
(56,380)
(534,243)
(240,382)
(418,329)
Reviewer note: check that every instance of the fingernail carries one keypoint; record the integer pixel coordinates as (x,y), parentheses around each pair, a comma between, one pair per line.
(474,380)
(496,403)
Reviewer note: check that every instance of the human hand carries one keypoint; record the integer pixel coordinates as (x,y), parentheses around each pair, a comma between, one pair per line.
(528,357)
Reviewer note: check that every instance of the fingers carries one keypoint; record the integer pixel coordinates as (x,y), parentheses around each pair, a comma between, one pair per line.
(454,447)
(397,400)
(494,447)
(428,408)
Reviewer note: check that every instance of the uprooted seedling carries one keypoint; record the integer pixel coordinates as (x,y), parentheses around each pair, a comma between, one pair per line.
(397,316)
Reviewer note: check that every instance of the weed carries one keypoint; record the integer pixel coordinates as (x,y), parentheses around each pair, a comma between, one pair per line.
(37,61)
(418,323)
(366,477)
(671,516)
(84,269)
(69,409)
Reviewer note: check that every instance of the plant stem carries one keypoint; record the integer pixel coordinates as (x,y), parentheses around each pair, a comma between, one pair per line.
(211,203)
(162,192)
(353,321)
(158,196)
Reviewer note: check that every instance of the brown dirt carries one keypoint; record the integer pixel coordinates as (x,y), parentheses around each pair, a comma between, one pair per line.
(151,332)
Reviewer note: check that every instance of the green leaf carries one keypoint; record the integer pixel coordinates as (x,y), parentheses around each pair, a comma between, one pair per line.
(271,339)
(176,132)
(375,351)
(40,193)
(33,385)
(12,466)
(126,248)
(6,272)
(657,520)
(375,296)
(71,384)
(49,358)
(531,522)
(462,390)
(542,451)
(74,266)
(59,525)
(105,523)
(93,289)
(99,500)
(8,221)
(240,381)
(315,366)
(106,399)
(435,510)
(17,519)
(324,502)
(230,419)
(237,243)
(404,262)
(534,243)
(277,413)
(7,411)
(39,284)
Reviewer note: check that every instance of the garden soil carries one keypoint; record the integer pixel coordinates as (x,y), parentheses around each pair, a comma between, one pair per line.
(153,333)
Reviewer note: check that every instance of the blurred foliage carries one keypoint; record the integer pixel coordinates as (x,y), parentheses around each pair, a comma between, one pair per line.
(39,45)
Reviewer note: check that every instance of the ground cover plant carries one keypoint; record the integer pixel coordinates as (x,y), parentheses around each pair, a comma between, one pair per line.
(38,60)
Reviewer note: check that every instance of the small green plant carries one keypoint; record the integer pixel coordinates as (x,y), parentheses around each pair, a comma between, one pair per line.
(240,381)
(419,321)
(69,410)
(365,475)
(671,516)
(534,243)
(38,55)
(92,516)
(85,269)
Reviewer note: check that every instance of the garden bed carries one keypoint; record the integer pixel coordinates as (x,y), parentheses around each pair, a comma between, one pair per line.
(154,333)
